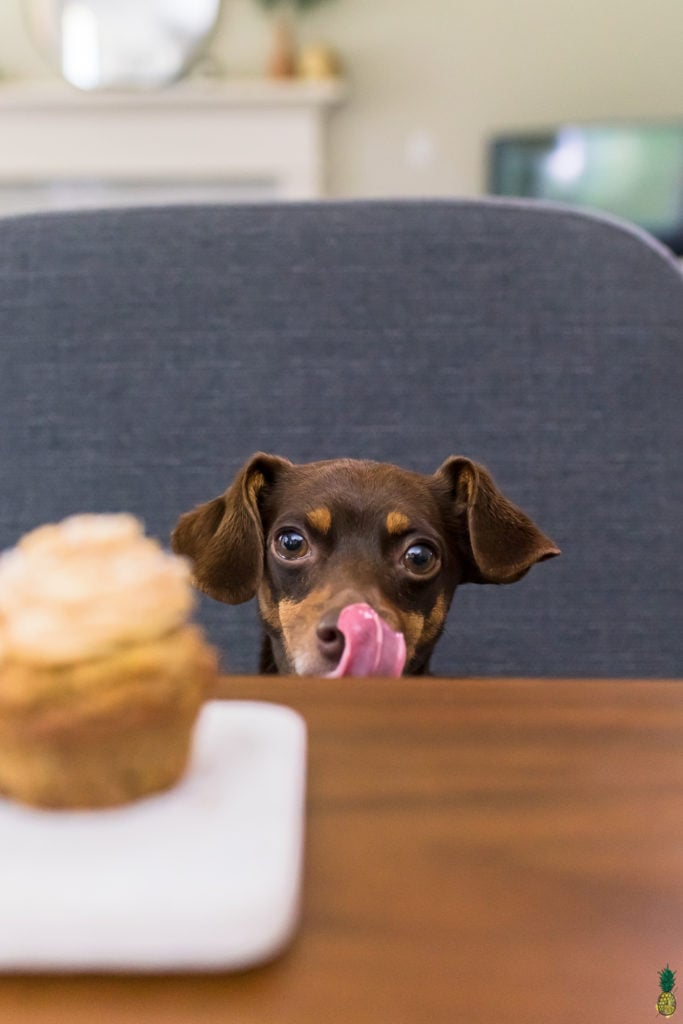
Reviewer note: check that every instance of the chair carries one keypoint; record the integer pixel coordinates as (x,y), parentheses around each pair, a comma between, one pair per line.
(146,353)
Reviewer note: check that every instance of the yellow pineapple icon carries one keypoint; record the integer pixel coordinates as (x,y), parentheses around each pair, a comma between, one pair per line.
(666,1004)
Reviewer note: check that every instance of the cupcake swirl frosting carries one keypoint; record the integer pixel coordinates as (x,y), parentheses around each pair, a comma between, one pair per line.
(81,588)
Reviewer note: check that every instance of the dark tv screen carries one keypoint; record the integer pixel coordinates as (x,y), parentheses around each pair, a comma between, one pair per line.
(634,171)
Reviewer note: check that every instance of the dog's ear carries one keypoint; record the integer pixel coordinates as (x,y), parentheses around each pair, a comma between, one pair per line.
(224,537)
(499,541)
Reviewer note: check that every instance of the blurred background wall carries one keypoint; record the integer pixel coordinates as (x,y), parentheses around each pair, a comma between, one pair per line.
(430,81)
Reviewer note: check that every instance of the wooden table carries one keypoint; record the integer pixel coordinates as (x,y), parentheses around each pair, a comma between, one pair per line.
(477,851)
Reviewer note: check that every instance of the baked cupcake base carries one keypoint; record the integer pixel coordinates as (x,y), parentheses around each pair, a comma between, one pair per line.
(106,731)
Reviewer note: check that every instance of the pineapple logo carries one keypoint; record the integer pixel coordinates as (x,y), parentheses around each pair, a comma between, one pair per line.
(666,1004)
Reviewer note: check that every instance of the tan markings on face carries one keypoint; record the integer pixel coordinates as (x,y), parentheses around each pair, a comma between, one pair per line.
(268,607)
(420,630)
(397,522)
(320,519)
(436,618)
(298,620)
(413,625)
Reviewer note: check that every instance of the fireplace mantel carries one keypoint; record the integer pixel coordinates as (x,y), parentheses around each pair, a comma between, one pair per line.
(200,138)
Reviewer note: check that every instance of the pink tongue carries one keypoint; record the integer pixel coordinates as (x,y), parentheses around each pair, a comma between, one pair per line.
(371,648)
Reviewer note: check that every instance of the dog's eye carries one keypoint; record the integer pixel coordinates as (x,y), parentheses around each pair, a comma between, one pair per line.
(291,544)
(420,559)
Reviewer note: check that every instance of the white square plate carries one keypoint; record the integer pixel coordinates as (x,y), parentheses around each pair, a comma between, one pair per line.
(203,877)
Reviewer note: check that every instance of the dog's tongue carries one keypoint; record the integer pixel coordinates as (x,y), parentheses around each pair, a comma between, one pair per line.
(371,647)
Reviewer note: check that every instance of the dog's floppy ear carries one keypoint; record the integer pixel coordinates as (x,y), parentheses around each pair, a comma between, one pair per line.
(224,537)
(500,542)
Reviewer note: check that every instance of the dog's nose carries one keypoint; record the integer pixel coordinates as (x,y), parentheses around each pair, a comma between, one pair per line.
(330,642)
(330,638)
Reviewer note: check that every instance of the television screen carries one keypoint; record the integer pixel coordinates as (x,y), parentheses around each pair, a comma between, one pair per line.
(634,171)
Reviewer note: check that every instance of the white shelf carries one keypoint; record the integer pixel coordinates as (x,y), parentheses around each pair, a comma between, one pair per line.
(236,135)
(195,92)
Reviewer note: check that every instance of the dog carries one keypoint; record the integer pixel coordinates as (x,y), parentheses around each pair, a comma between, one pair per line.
(388,545)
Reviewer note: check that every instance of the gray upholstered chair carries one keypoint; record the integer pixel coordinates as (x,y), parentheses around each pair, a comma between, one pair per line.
(145,354)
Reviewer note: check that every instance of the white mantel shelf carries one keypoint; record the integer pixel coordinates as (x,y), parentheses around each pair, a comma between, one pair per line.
(195,92)
(200,132)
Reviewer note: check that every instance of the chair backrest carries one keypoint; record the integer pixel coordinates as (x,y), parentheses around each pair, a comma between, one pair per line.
(146,353)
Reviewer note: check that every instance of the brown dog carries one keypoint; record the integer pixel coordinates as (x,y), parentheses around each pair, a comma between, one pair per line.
(311,540)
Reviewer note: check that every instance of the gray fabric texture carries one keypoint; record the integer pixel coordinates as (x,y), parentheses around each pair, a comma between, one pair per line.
(146,353)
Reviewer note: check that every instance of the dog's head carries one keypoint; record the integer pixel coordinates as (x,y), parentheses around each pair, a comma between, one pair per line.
(309,540)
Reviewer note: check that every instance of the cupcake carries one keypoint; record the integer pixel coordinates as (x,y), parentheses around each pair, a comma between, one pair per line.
(101,675)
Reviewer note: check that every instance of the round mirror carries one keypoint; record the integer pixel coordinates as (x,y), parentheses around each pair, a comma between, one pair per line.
(126,44)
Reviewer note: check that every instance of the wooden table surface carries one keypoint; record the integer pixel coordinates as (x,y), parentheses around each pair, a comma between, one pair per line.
(504,851)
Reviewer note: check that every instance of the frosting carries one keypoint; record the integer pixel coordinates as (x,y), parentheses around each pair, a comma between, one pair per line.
(77,589)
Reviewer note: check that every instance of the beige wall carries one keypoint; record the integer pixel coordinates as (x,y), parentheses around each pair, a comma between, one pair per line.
(431,79)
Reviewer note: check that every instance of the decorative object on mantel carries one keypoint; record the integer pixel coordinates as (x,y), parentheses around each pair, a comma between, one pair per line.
(318,61)
(122,44)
